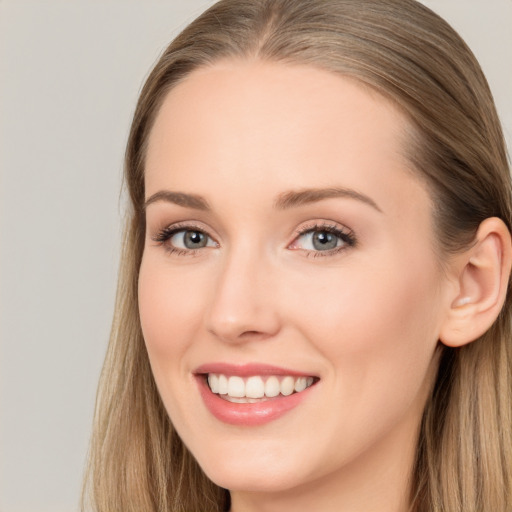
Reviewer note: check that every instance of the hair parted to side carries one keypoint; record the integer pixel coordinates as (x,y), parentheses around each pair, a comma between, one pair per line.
(410,55)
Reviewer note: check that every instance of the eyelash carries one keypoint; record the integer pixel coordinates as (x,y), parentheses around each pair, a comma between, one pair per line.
(346,236)
(164,235)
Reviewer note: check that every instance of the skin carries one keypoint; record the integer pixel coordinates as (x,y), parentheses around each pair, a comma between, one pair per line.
(366,320)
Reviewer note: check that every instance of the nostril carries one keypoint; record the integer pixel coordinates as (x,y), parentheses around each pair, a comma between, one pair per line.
(253,335)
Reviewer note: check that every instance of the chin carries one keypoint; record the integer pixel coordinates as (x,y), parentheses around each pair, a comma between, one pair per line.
(252,474)
(253,481)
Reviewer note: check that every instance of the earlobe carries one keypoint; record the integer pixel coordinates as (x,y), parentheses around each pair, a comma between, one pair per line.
(482,273)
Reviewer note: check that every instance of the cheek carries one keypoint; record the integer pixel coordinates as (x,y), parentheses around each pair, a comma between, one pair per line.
(368,306)
(169,309)
(377,329)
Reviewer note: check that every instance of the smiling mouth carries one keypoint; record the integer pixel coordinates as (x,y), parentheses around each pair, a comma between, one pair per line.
(253,389)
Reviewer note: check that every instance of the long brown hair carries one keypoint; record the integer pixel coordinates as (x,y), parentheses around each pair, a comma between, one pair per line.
(414,58)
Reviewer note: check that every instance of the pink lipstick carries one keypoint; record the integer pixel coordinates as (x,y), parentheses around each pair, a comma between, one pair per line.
(251,394)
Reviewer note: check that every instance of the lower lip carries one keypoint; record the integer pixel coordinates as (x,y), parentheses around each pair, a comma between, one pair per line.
(249,415)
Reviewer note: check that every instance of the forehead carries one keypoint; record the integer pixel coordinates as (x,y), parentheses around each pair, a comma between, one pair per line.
(271,126)
(256,101)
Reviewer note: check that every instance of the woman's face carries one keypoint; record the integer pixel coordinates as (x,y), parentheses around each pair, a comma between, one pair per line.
(288,245)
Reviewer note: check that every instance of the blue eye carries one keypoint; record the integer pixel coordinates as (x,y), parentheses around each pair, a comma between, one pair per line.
(184,239)
(190,239)
(320,241)
(327,239)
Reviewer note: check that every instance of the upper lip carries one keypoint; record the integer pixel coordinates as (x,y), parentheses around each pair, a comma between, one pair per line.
(248,369)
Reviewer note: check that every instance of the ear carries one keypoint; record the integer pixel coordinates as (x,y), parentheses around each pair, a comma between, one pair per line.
(481,277)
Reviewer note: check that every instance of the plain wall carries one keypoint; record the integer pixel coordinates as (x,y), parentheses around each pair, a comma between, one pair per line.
(70,72)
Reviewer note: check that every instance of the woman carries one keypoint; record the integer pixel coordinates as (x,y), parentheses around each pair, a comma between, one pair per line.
(312,310)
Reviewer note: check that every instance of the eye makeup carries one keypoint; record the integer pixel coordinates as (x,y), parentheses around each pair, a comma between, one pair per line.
(318,238)
(184,239)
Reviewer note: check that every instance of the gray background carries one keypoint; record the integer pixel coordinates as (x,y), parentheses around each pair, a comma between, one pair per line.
(70,72)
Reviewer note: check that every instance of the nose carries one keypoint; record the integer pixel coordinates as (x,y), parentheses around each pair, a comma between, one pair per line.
(243,306)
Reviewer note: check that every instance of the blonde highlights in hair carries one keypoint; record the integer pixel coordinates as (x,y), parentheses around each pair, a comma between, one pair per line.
(411,56)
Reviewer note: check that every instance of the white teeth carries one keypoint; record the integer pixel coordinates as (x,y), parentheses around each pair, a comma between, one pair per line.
(272,387)
(213,382)
(243,400)
(223,385)
(300,384)
(256,388)
(236,387)
(287,386)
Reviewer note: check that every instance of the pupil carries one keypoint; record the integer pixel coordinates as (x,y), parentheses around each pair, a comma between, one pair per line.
(323,240)
(194,239)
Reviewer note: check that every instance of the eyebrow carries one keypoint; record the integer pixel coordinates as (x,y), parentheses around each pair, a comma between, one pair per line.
(180,198)
(285,201)
(296,198)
